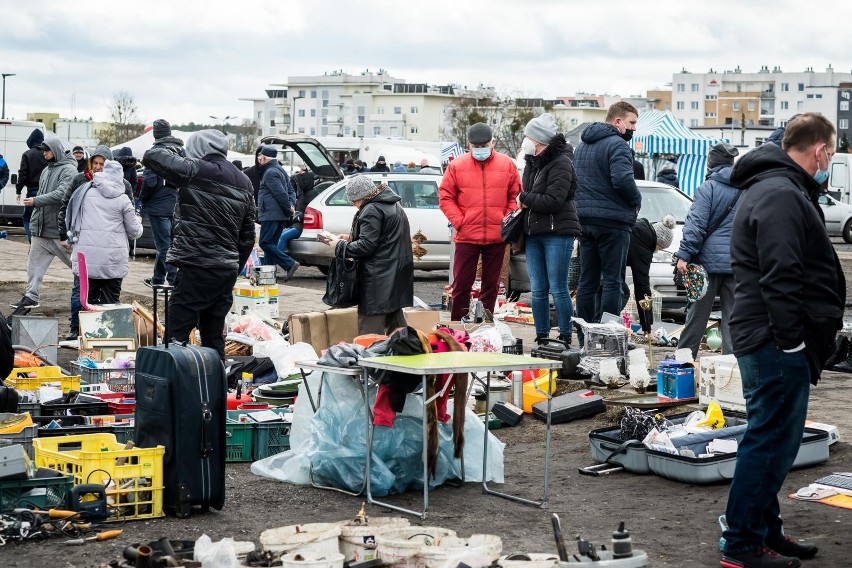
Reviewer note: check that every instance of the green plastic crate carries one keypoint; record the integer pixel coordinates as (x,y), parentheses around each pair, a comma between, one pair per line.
(123,432)
(271,438)
(238,441)
(47,493)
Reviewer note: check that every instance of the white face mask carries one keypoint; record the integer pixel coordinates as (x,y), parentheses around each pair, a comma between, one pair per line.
(528,147)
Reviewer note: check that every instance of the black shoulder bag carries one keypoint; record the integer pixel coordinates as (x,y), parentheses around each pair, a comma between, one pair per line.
(341,285)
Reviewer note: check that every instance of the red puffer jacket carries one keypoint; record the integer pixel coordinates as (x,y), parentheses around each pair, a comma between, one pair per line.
(475,196)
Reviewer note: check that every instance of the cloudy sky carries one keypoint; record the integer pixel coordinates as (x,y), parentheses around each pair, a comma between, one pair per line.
(188,59)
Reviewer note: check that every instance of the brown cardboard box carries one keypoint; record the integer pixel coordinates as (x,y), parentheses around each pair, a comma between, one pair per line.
(422,320)
(323,329)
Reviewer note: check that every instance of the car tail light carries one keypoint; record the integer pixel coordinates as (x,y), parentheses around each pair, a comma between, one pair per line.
(313,219)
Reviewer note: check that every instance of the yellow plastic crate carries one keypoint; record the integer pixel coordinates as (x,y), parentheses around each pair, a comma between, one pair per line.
(93,458)
(44,376)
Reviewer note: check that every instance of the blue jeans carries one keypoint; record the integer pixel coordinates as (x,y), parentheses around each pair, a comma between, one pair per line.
(270,232)
(548,258)
(288,235)
(76,306)
(603,258)
(776,386)
(27,230)
(161,229)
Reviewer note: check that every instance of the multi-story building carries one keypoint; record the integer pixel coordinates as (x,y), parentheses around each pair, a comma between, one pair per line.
(844,113)
(271,113)
(766,98)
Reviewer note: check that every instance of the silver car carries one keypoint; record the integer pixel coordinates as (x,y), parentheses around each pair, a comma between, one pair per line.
(658,199)
(330,211)
(838,217)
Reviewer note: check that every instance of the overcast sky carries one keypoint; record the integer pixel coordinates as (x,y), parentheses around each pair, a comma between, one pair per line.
(188,59)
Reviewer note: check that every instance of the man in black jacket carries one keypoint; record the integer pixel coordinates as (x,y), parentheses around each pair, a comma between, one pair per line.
(213,233)
(788,306)
(32,164)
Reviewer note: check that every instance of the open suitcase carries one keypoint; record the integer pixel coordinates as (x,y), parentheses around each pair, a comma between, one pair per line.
(180,404)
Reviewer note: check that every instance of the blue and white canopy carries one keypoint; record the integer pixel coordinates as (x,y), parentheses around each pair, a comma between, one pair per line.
(659,132)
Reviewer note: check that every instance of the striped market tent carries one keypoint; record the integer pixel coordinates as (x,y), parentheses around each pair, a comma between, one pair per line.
(659,134)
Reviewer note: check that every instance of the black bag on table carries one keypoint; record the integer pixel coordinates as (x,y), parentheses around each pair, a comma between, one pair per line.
(181,404)
(341,284)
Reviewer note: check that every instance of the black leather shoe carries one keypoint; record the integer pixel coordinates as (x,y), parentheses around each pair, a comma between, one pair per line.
(761,557)
(789,547)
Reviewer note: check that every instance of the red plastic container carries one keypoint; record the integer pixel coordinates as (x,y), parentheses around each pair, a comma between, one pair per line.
(124,406)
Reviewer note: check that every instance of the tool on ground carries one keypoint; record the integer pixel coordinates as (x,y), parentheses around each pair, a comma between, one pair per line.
(560,542)
(105,535)
(90,501)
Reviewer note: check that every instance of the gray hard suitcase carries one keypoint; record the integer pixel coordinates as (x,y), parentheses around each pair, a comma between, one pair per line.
(181,393)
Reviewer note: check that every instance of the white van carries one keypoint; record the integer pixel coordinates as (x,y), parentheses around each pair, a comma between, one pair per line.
(13,143)
(840,178)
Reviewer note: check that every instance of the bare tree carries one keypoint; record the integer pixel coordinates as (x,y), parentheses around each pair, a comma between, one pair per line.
(244,138)
(125,122)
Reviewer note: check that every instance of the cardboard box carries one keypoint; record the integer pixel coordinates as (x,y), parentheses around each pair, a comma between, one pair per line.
(422,320)
(323,329)
(262,300)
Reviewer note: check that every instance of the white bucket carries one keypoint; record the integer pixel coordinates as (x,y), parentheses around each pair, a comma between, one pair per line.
(638,560)
(320,538)
(536,560)
(478,551)
(358,542)
(403,547)
(312,560)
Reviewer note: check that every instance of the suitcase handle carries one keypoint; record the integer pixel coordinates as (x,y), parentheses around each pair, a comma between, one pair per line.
(206,431)
(544,341)
(166,291)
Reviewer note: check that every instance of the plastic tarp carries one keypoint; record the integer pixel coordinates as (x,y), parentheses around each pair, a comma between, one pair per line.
(334,443)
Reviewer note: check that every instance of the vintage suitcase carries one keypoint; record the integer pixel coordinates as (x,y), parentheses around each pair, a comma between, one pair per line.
(181,404)
(508,413)
(560,351)
(570,406)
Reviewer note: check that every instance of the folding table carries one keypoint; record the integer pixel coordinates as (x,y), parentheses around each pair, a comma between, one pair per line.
(460,362)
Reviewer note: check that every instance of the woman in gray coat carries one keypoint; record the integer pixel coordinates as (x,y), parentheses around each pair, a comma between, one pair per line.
(100,220)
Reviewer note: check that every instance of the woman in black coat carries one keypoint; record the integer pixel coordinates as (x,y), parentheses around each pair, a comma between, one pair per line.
(646,239)
(550,222)
(380,241)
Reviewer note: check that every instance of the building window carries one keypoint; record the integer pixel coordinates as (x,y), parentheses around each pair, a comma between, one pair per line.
(709,115)
(302,95)
(695,87)
(693,105)
(324,95)
(302,112)
(819,95)
(380,110)
(413,110)
(377,130)
(843,124)
(413,130)
(272,122)
(313,131)
(681,88)
(710,97)
(801,87)
(844,105)
(693,122)
(735,105)
(397,110)
(573,122)
(260,115)
(301,131)
(680,105)
(313,94)
(360,119)
(667,106)
(785,87)
(313,112)
(810,95)
(751,105)
(758,142)
(325,103)
(347,131)
(739,87)
(785,105)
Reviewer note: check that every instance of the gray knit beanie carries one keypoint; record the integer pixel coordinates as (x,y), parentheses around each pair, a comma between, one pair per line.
(162,128)
(663,228)
(721,154)
(542,128)
(358,187)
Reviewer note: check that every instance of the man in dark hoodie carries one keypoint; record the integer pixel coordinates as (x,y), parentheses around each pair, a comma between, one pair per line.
(32,164)
(212,236)
(788,306)
(713,210)
(44,224)
(608,202)
(158,199)
(80,155)
(124,156)
(381,165)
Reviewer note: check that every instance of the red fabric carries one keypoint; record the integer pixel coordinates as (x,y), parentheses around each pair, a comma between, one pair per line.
(383,414)
(475,196)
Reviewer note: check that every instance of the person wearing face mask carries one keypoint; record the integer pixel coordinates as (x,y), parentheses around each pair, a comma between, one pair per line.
(477,191)
(788,305)
(607,203)
(550,222)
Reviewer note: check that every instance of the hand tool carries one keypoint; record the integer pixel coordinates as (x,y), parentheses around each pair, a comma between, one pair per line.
(105,535)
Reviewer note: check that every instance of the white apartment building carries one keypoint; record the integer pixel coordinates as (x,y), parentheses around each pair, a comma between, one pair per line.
(270,112)
(766,98)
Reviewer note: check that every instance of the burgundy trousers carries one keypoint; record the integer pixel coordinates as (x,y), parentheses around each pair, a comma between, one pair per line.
(464,273)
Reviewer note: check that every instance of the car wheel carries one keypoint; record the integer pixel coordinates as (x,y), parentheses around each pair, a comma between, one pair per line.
(847,232)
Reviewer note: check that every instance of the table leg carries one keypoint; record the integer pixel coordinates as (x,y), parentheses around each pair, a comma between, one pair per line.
(308,388)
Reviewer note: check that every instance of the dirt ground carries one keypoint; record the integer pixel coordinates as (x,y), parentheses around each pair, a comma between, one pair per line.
(675,523)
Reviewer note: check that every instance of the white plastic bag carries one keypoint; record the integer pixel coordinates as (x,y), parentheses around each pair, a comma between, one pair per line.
(215,554)
(284,355)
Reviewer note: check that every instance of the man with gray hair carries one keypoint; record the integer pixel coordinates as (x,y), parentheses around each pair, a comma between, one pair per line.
(213,233)
(707,241)
(44,224)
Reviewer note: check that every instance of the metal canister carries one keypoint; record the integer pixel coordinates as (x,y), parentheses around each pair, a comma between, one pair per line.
(517,397)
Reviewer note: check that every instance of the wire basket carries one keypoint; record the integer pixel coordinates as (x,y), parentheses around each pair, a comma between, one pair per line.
(117,380)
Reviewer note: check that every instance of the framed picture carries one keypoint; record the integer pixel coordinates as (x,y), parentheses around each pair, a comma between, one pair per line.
(108,347)
(126,355)
(93,354)
(109,323)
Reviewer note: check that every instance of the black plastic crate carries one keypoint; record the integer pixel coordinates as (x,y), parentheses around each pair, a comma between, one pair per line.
(516,349)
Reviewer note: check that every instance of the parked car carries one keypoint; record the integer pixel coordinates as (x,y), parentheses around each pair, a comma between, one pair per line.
(838,217)
(330,211)
(658,199)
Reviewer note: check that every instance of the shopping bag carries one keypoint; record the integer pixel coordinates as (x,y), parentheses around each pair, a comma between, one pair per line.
(341,285)
(512,227)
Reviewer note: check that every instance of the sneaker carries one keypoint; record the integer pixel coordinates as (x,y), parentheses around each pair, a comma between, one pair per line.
(539,339)
(761,557)
(25,302)
(73,335)
(149,282)
(789,547)
(291,271)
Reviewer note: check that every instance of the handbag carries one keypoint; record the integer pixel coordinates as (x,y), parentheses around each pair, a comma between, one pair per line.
(341,284)
(512,226)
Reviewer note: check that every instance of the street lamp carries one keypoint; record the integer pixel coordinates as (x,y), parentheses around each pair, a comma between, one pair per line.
(224,120)
(4,92)
(293,114)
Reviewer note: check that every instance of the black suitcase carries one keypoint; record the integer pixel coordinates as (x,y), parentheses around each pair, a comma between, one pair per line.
(570,406)
(560,351)
(181,395)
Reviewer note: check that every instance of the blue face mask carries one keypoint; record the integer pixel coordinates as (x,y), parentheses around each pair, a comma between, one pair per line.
(821,175)
(481,154)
